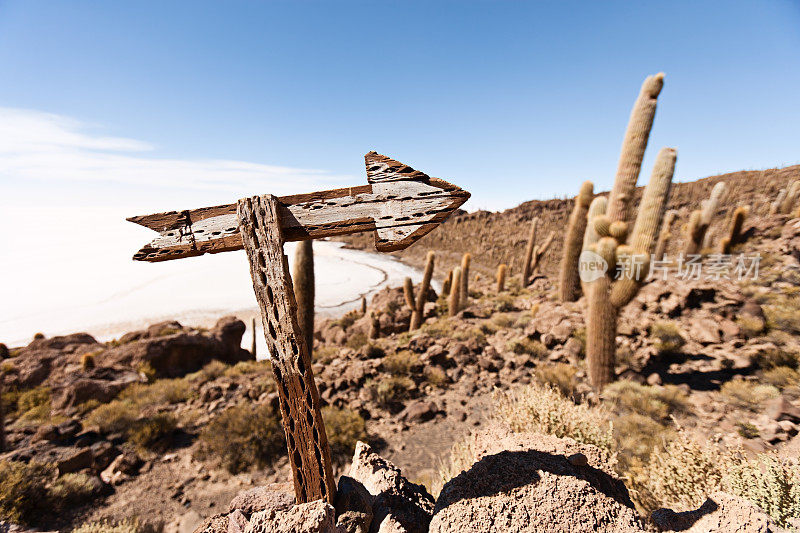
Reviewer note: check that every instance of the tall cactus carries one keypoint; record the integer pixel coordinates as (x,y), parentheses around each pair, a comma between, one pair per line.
(606,297)
(465,261)
(734,234)
(568,282)
(454,298)
(417,303)
(253,344)
(303,281)
(526,268)
(633,147)
(539,251)
(665,235)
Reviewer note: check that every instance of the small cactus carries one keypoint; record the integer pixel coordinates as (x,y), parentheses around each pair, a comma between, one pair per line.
(568,283)
(526,268)
(665,235)
(363,305)
(303,281)
(465,261)
(501,277)
(87,361)
(701,219)
(417,303)
(374,327)
(539,251)
(454,298)
(734,234)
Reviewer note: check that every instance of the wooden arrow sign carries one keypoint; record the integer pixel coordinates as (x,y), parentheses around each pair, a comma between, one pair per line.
(400,204)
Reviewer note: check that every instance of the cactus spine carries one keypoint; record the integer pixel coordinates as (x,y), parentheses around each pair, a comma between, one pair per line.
(665,235)
(526,269)
(303,281)
(454,298)
(606,297)
(734,234)
(501,277)
(633,147)
(417,303)
(568,283)
(465,261)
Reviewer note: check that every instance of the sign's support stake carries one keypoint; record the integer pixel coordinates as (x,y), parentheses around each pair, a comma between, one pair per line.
(309,454)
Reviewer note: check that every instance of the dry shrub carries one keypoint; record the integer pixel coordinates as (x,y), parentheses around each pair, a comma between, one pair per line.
(112,417)
(162,391)
(392,389)
(783,313)
(23,488)
(325,353)
(462,456)
(655,402)
(246,368)
(782,377)
(122,526)
(435,376)
(356,340)
(559,375)
(668,335)
(71,490)
(770,482)
(750,326)
(636,436)
(152,432)
(773,357)
(470,333)
(401,363)
(345,428)
(241,437)
(210,372)
(747,394)
(502,320)
(34,404)
(525,345)
(543,409)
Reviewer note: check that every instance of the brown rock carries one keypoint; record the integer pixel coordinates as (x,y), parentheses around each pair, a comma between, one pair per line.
(313,517)
(353,506)
(782,409)
(721,513)
(215,524)
(73,460)
(397,504)
(273,497)
(524,482)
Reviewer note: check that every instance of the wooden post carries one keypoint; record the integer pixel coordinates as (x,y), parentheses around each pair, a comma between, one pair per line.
(306,439)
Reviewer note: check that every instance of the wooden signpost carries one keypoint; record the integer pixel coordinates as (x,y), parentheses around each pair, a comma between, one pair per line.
(399,204)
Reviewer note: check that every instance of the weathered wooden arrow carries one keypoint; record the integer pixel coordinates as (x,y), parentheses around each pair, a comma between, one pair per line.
(400,204)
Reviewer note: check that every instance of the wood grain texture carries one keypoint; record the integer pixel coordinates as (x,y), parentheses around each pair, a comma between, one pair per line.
(306,438)
(399,204)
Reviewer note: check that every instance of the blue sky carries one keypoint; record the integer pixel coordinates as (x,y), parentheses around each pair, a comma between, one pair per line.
(179,104)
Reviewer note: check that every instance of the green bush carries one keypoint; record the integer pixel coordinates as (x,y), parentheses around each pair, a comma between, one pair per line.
(345,428)
(34,404)
(112,417)
(159,392)
(242,437)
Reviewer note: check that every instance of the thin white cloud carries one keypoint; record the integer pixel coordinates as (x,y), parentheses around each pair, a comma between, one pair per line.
(47,147)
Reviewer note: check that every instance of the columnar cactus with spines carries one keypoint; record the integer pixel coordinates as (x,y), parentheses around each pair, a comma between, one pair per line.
(374,326)
(501,277)
(633,147)
(363,305)
(303,282)
(606,297)
(569,283)
(539,251)
(465,261)
(734,234)
(454,299)
(417,303)
(448,282)
(612,242)
(775,208)
(789,203)
(701,219)
(665,235)
(526,268)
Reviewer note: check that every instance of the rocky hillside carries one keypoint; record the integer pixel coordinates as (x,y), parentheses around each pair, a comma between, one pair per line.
(495,238)
(479,421)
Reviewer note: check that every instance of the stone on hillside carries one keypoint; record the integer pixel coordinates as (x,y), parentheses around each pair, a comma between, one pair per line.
(313,517)
(721,513)
(527,482)
(353,506)
(214,524)
(397,504)
(272,497)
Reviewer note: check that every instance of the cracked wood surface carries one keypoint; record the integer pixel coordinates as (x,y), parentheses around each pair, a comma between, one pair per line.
(400,204)
(306,439)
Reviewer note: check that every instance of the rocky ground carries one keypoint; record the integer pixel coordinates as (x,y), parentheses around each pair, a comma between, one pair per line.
(166,426)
